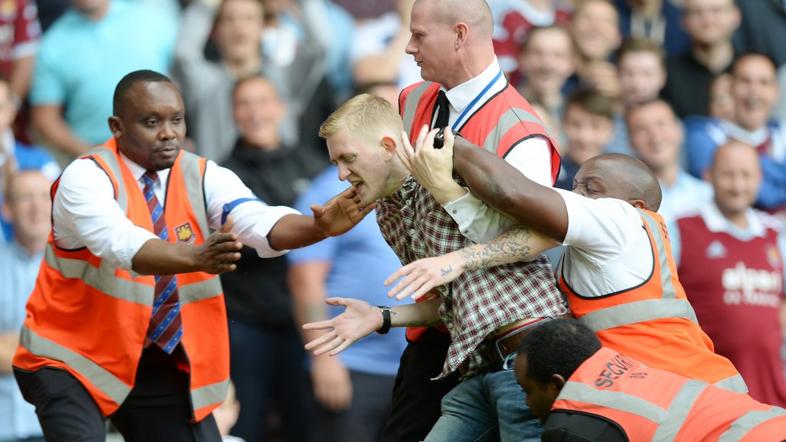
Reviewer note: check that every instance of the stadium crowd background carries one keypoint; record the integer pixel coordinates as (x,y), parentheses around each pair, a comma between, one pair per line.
(667,81)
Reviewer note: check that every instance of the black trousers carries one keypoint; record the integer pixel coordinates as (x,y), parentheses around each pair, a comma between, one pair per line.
(157,409)
(416,398)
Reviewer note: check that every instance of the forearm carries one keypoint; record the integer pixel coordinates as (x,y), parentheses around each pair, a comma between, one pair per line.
(418,314)
(307,286)
(8,344)
(517,244)
(21,75)
(294,231)
(49,122)
(504,188)
(158,257)
(383,66)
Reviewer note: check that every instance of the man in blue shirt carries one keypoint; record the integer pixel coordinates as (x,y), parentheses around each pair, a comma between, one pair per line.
(754,90)
(15,155)
(656,136)
(28,206)
(81,58)
(353,390)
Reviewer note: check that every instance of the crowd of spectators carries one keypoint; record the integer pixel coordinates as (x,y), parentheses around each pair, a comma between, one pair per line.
(667,81)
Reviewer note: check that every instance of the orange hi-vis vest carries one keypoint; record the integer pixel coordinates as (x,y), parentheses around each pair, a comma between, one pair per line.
(497,126)
(90,318)
(648,404)
(654,322)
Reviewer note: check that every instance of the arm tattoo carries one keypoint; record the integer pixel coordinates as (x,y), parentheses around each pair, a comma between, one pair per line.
(446,270)
(509,247)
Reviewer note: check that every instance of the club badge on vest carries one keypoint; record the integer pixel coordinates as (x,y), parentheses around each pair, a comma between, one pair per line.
(773,256)
(184,233)
(748,286)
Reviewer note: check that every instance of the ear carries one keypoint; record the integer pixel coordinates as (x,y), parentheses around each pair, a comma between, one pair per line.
(115,126)
(705,175)
(462,34)
(388,143)
(556,382)
(639,204)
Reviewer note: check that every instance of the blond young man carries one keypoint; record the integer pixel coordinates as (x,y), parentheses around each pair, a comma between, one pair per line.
(485,312)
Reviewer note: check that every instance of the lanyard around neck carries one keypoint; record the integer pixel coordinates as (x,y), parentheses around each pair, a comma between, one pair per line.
(474,101)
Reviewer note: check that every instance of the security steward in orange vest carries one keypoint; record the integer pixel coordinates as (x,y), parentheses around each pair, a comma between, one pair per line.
(616,271)
(583,391)
(127,318)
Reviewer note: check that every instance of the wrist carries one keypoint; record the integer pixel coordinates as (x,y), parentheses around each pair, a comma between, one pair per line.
(384,320)
(448,192)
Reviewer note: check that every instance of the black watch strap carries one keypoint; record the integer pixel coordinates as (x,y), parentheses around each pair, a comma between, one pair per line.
(385,320)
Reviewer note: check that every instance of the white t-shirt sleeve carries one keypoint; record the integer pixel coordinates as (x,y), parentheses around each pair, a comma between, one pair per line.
(252,220)
(600,228)
(479,222)
(86,214)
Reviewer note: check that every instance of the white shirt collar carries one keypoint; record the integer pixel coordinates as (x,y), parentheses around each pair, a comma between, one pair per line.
(717,223)
(138,170)
(461,95)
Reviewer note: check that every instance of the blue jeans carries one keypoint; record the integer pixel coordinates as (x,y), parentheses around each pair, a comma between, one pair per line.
(484,408)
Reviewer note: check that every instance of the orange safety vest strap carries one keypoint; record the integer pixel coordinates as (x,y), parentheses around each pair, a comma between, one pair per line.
(102,379)
(198,291)
(733,383)
(106,158)
(669,421)
(580,392)
(209,395)
(192,168)
(507,121)
(101,278)
(749,421)
(411,106)
(669,291)
(638,311)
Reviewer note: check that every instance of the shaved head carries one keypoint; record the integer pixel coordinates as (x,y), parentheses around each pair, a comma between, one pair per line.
(475,13)
(619,176)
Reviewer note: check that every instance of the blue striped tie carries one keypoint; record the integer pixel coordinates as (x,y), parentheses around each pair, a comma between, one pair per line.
(166,327)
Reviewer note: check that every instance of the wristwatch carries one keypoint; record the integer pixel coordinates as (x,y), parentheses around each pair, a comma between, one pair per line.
(385,320)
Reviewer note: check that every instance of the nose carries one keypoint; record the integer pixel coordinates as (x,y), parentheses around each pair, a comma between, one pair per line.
(410,49)
(343,172)
(167,132)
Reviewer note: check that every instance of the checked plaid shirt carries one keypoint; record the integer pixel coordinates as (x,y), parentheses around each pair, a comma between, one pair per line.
(477,302)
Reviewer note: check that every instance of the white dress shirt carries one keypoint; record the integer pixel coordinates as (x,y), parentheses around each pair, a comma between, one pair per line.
(85,213)
(532,157)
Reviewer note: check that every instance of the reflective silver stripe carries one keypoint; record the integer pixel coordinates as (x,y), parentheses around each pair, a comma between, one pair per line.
(510,118)
(577,391)
(199,290)
(101,278)
(733,383)
(411,106)
(747,422)
(192,176)
(678,411)
(212,394)
(638,311)
(669,292)
(105,381)
(111,160)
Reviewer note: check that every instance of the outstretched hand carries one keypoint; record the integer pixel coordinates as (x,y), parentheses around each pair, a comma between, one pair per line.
(420,276)
(341,213)
(358,320)
(432,168)
(220,251)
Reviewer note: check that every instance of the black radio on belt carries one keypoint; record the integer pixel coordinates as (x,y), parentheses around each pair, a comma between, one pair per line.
(439,138)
